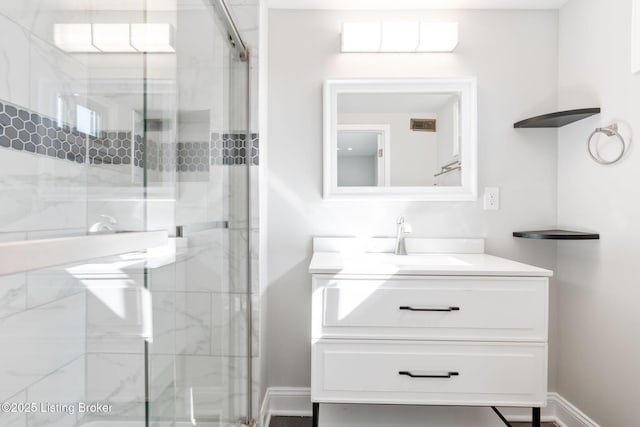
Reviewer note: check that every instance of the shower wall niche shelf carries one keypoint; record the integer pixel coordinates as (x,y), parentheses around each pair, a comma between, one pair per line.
(557,119)
(26,255)
(556,234)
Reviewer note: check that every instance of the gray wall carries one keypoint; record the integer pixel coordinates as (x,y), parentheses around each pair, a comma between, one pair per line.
(599,296)
(514,56)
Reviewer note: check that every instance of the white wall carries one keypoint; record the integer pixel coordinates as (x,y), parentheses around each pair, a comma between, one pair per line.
(514,56)
(599,296)
(446,133)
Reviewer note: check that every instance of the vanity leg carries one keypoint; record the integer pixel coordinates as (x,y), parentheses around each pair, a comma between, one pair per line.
(535,419)
(316,412)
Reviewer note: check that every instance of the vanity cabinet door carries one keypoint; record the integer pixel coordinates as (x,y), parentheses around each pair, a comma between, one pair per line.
(433,308)
(437,373)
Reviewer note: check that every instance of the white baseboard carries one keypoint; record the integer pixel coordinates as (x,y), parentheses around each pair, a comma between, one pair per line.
(285,401)
(558,410)
(288,401)
(570,416)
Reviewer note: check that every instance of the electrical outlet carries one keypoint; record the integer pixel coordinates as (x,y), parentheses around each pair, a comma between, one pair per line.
(491,198)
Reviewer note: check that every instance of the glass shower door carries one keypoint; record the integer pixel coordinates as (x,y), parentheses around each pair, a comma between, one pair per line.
(198,358)
(104,135)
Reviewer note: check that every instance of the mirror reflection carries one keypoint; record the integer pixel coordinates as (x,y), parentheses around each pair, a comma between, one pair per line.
(398,139)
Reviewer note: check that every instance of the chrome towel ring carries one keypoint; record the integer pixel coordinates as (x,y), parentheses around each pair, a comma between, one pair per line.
(608,131)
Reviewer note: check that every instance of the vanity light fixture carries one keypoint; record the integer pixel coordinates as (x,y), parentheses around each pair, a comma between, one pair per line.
(114,38)
(399,36)
(438,37)
(74,37)
(361,36)
(153,37)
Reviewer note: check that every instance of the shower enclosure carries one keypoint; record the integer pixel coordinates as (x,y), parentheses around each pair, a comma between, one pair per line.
(125,271)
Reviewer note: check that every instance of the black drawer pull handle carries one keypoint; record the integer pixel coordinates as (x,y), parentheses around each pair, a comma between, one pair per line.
(447,375)
(407,307)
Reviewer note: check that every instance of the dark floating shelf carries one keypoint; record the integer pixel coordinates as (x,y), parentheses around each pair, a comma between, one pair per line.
(558,119)
(556,235)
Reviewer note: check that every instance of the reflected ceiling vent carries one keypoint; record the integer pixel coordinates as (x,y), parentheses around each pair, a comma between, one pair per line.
(423,125)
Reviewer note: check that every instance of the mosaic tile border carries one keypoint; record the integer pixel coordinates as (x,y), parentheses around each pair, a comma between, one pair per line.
(193,156)
(24,130)
(231,148)
(111,148)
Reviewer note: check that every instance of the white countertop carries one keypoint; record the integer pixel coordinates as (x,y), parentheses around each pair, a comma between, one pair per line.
(454,264)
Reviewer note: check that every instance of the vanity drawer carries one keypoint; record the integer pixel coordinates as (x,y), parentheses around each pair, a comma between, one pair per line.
(439,373)
(436,308)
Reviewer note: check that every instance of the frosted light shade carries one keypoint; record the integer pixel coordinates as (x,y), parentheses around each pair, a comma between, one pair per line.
(112,37)
(152,37)
(438,37)
(361,37)
(73,37)
(400,36)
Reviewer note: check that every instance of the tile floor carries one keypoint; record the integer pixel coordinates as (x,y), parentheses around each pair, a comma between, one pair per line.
(306,422)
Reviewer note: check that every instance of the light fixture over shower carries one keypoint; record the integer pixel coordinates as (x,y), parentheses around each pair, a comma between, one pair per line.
(114,38)
(399,36)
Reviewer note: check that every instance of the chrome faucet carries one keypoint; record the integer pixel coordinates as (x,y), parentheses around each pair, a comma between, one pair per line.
(401,228)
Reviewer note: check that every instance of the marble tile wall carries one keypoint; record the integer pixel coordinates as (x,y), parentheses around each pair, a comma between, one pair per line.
(14,60)
(13,294)
(40,193)
(120,314)
(162,370)
(64,342)
(46,362)
(43,346)
(16,419)
(198,353)
(210,387)
(115,313)
(65,386)
(118,379)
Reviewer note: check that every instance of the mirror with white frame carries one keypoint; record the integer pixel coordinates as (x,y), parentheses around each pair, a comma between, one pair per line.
(400,139)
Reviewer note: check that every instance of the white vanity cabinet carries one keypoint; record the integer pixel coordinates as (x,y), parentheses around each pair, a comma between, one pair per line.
(431,329)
